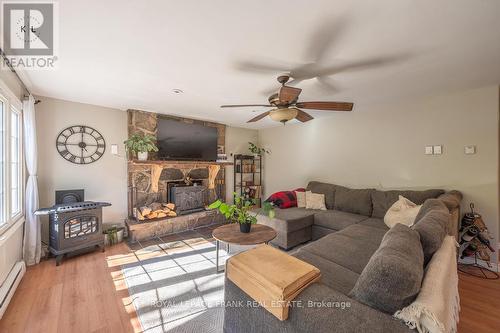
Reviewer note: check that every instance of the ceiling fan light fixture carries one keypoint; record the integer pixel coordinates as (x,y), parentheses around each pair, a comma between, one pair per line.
(283,115)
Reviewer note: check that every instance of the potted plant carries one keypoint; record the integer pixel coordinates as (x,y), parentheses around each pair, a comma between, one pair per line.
(240,212)
(254,149)
(141,145)
(113,235)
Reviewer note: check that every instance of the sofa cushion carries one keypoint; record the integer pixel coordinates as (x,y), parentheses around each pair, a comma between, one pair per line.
(366,233)
(451,199)
(343,250)
(323,188)
(374,222)
(318,232)
(333,275)
(432,226)
(431,204)
(335,219)
(288,220)
(356,201)
(392,278)
(383,200)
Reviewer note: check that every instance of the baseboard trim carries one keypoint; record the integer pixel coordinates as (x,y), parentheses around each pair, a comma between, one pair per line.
(470,260)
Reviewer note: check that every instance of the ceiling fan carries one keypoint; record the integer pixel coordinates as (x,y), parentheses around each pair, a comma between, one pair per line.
(286,106)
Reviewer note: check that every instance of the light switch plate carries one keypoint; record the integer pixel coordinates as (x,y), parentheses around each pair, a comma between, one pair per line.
(469,150)
(114,149)
(428,150)
(438,150)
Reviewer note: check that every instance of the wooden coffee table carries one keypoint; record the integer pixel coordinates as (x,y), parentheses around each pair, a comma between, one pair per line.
(231,234)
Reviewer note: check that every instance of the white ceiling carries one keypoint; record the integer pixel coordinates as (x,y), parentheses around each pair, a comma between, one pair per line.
(131,54)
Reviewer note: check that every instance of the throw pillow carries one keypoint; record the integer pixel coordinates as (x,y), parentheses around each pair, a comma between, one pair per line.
(284,199)
(301,199)
(315,201)
(383,200)
(323,188)
(392,278)
(402,211)
(432,226)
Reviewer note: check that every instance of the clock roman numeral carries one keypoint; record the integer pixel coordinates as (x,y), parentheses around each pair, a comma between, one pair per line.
(71,130)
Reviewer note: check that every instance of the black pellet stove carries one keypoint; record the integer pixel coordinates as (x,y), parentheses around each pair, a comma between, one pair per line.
(74,224)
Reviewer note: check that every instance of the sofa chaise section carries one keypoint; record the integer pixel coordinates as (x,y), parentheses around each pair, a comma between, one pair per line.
(292,225)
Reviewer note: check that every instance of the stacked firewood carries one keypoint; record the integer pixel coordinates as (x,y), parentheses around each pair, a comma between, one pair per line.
(154,211)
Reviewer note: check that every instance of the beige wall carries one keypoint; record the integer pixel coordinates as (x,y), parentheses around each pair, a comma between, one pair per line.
(236,143)
(104,180)
(383,147)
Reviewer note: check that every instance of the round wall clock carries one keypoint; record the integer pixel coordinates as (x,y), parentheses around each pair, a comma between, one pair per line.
(80,144)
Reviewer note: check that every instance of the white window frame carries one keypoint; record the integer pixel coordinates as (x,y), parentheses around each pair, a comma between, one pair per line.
(11,102)
(20,166)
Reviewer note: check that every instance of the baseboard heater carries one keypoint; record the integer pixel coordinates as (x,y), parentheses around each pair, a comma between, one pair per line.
(10,284)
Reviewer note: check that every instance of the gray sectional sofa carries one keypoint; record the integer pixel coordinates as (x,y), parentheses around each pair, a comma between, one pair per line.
(350,242)
(345,207)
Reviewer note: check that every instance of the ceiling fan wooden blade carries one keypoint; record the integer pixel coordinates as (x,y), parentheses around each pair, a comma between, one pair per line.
(259,117)
(244,105)
(288,94)
(327,106)
(303,116)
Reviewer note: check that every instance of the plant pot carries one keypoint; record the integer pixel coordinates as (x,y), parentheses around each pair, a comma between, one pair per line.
(142,155)
(245,227)
(119,238)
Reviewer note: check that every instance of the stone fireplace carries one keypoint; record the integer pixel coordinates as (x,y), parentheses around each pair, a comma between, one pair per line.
(171,196)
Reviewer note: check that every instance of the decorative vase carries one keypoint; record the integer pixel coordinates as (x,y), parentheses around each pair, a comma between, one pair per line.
(142,155)
(245,227)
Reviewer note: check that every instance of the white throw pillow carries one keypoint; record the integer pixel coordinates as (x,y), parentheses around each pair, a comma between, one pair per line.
(402,211)
(315,201)
(301,199)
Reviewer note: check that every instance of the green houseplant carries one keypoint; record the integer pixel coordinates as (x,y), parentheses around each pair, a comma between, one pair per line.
(240,212)
(141,145)
(254,149)
(113,235)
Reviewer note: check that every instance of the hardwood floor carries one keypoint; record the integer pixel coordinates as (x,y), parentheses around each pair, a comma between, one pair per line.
(480,305)
(87,293)
(84,294)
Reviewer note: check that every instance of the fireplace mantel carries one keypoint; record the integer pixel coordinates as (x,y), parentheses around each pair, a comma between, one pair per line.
(196,164)
(158,166)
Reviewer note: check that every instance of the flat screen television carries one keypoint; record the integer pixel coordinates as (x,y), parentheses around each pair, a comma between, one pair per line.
(186,142)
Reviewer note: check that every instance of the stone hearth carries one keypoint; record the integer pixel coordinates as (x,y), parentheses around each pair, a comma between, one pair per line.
(139,231)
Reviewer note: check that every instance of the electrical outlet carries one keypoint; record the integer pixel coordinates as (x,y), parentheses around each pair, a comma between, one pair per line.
(470,150)
(438,150)
(429,150)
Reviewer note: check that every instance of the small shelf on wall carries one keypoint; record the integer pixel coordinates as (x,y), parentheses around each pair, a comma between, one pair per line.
(248,177)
